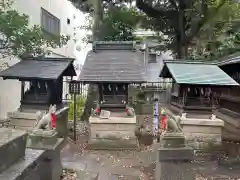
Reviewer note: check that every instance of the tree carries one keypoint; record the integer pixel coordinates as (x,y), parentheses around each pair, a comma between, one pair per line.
(180,20)
(218,37)
(18,39)
(112,20)
(119,24)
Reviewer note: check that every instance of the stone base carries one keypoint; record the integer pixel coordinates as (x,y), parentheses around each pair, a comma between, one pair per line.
(113,133)
(174,163)
(27,120)
(12,147)
(50,159)
(202,133)
(108,144)
(173,140)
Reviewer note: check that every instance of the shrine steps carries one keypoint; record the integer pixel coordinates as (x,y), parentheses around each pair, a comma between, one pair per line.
(21,120)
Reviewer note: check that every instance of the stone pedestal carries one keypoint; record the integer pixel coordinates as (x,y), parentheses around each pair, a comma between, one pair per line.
(203,133)
(27,120)
(174,163)
(51,157)
(113,133)
(174,158)
(173,140)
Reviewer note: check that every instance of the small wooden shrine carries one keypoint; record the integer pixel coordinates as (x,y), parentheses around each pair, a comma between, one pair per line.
(112,66)
(229,98)
(195,86)
(41,80)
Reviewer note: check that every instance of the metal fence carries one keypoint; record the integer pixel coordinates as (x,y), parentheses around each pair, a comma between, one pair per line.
(67,96)
(152,90)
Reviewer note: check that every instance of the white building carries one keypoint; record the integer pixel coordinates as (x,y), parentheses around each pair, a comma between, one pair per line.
(64,19)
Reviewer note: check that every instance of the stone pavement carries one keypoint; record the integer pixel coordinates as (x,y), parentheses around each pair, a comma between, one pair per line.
(133,165)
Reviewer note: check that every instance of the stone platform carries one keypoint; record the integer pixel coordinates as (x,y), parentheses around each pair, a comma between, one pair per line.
(113,133)
(203,133)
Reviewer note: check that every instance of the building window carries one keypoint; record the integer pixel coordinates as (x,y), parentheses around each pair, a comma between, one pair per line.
(68,21)
(50,23)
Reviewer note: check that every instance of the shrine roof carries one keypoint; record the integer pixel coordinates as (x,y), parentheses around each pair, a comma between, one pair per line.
(230,59)
(196,73)
(116,65)
(40,68)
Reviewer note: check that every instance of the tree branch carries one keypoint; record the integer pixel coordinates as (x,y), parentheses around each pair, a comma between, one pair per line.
(207,14)
(152,12)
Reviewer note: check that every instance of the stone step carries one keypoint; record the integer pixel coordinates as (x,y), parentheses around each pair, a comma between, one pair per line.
(12,146)
(23,128)
(26,168)
(22,122)
(22,115)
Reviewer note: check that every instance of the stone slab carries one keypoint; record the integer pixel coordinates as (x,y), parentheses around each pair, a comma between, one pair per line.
(172,154)
(26,168)
(12,146)
(106,144)
(172,140)
(22,115)
(47,144)
(203,122)
(113,120)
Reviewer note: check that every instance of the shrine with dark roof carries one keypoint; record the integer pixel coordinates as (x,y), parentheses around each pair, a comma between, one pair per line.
(112,66)
(41,80)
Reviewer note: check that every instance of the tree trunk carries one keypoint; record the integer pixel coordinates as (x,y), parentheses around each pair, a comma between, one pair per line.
(182,49)
(97,17)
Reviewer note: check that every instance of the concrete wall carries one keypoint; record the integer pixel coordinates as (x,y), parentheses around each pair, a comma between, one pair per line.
(62,9)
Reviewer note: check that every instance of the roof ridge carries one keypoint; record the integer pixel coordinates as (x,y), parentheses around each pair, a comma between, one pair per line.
(188,62)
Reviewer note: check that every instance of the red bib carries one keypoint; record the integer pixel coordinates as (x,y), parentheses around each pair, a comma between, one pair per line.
(163,122)
(53,120)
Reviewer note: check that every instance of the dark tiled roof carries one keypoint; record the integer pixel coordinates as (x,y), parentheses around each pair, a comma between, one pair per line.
(230,59)
(48,68)
(197,73)
(113,66)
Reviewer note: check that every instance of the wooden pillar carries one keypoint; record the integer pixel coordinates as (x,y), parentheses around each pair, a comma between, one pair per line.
(22,90)
(100,91)
(126,85)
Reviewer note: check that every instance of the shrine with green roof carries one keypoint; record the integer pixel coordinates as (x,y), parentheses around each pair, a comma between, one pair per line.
(196,85)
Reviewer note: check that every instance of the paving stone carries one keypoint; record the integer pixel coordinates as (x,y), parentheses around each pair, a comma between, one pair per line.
(74,166)
(12,146)
(105,175)
(81,175)
(124,171)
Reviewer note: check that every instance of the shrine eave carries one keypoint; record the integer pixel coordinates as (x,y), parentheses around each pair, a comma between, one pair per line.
(196,74)
(44,69)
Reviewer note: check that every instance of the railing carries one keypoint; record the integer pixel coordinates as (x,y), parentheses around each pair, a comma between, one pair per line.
(192,101)
(67,95)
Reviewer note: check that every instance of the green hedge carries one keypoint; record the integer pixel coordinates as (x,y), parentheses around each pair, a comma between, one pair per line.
(80,104)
